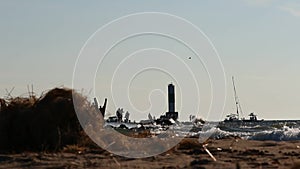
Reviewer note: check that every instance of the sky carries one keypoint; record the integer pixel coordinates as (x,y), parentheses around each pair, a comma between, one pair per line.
(257,42)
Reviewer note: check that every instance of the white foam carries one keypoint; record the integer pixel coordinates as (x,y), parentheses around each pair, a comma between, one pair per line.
(283,134)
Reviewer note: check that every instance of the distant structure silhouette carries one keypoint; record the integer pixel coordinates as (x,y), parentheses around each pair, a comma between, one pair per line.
(150,117)
(102,108)
(119,114)
(171,115)
(171,98)
(127,117)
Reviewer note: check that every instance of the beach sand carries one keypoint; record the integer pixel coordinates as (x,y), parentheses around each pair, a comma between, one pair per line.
(229,153)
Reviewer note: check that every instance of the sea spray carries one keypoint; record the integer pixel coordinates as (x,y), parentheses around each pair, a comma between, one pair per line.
(284,134)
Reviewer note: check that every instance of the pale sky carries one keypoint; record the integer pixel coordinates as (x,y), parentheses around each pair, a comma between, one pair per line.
(257,41)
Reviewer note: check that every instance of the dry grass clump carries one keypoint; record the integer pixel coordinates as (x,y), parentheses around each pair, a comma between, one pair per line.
(46,123)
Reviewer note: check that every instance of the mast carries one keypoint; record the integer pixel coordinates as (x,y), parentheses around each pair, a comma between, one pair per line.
(238,105)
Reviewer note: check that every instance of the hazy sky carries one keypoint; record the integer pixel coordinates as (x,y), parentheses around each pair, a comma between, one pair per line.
(257,41)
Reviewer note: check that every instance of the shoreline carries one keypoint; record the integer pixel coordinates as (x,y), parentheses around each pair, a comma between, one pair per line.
(189,153)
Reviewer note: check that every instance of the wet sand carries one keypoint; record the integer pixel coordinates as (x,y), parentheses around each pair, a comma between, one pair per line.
(229,153)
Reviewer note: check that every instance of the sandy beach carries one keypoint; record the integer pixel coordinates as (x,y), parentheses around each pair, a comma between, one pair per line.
(229,153)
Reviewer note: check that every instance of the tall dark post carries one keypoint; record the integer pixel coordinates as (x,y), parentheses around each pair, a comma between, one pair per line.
(171,116)
(171,97)
(102,108)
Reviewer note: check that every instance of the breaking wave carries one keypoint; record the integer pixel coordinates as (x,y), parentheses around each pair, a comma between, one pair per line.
(283,134)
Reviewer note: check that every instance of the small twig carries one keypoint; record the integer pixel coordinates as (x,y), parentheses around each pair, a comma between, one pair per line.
(8,93)
(110,144)
(28,90)
(32,93)
(208,152)
(116,161)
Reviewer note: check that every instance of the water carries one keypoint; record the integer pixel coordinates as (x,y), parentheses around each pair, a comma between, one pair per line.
(280,130)
(265,130)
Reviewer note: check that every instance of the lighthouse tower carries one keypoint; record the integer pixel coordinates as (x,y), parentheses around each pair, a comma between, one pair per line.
(171,100)
(171,97)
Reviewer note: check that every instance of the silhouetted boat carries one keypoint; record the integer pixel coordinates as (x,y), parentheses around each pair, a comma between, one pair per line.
(235,117)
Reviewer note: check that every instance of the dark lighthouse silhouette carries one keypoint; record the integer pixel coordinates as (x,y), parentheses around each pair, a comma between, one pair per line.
(171,116)
(171,97)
